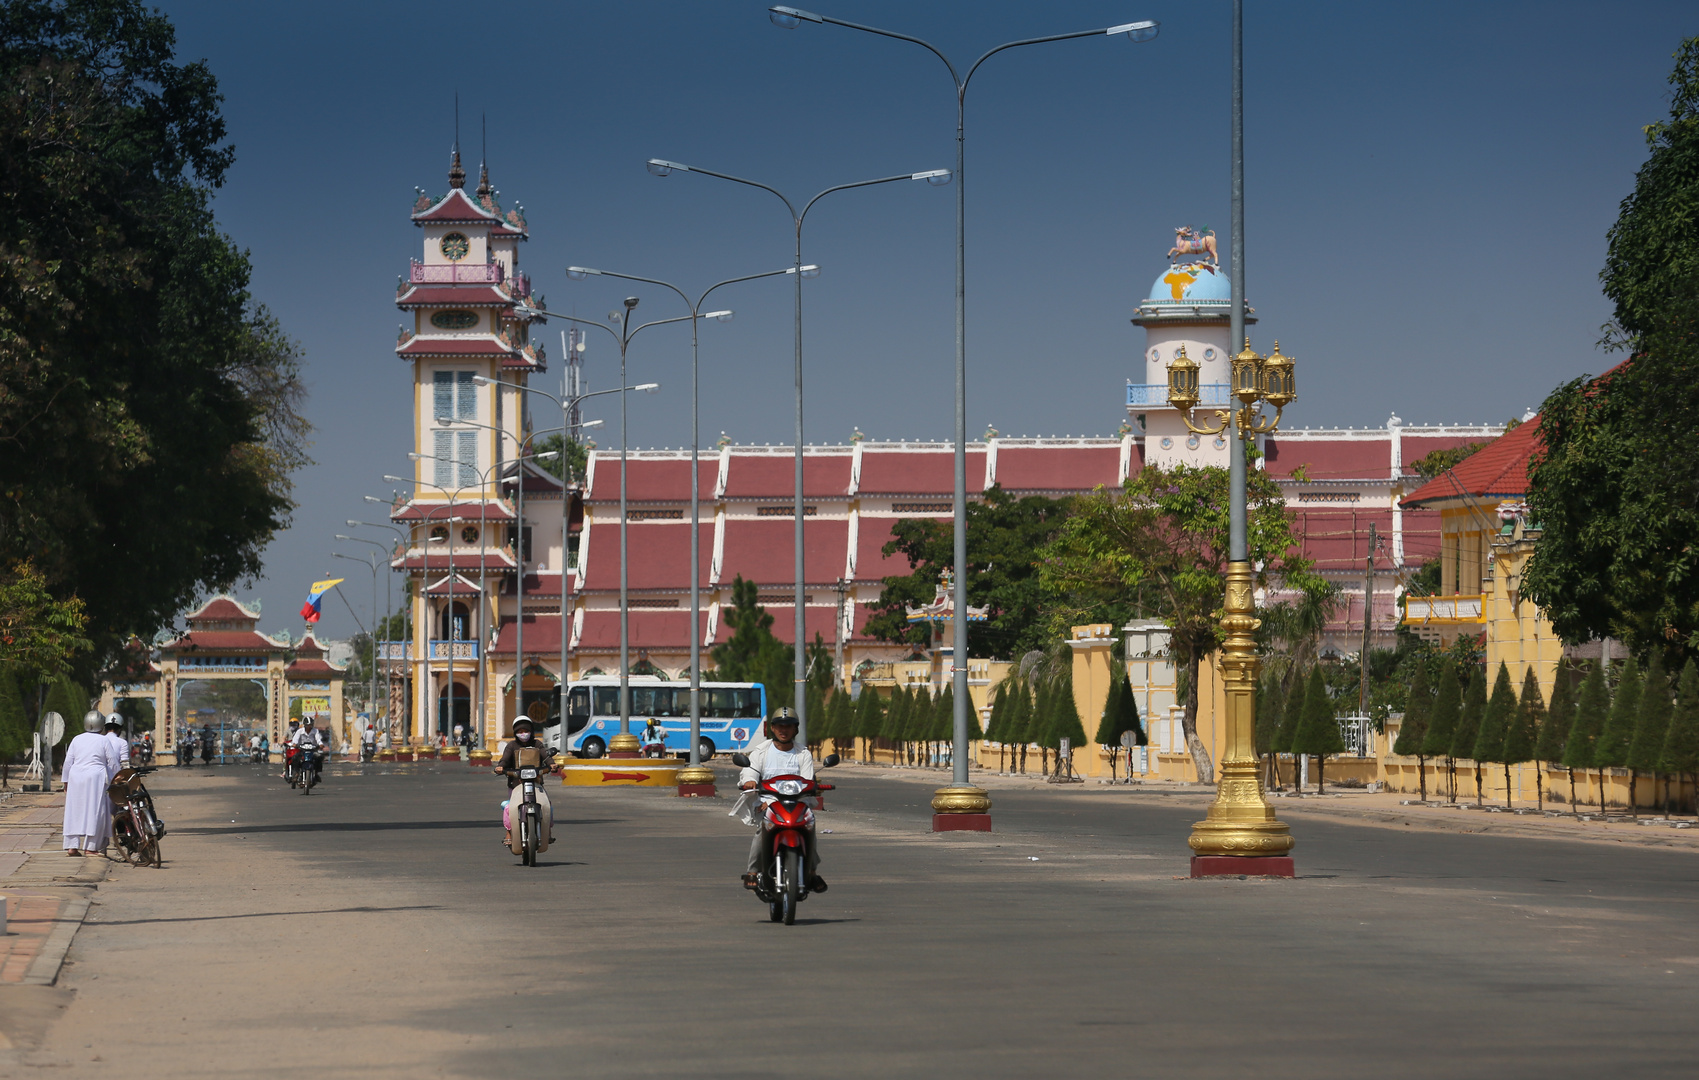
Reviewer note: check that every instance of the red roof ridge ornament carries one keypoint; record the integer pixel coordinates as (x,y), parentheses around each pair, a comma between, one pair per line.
(456,175)
(942,609)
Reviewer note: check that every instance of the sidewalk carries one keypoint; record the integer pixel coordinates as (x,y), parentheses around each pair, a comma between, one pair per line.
(47,894)
(1388,808)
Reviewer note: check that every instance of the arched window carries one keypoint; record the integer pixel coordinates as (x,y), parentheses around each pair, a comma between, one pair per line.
(454,623)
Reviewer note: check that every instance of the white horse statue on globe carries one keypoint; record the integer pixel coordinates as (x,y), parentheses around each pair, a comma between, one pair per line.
(1190,241)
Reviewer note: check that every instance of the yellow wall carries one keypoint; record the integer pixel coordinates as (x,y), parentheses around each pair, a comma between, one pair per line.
(1517,633)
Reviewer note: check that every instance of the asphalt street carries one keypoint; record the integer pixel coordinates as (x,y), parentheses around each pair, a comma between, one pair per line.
(377,927)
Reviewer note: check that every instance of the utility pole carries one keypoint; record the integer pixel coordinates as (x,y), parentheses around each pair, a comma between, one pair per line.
(1368,626)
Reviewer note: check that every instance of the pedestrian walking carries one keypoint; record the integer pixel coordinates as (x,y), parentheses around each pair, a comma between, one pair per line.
(91,761)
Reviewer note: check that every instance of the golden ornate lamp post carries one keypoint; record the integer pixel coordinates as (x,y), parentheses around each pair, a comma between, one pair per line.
(1240,834)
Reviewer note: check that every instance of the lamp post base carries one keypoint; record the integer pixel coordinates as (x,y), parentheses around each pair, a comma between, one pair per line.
(1242,866)
(624,745)
(961,809)
(696,781)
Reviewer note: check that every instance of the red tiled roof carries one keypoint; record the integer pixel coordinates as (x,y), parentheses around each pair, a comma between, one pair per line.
(761,550)
(917,472)
(224,640)
(648,629)
(872,535)
(536,584)
(653,479)
(456,207)
(480,345)
(460,586)
(454,296)
(542,635)
(468,561)
(1499,470)
(221,608)
(1414,448)
(1056,468)
(816,620)
(311,669)
(1330,459)
(443,511)
(659,553)
(770,476)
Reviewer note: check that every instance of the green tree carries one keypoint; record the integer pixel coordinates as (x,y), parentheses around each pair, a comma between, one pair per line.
(944,721)
(571,460)
(1611,749)
(1651,724)
(38,633)
(1120,715)
(1318,730)
(1019,725)
(150,409)
(1003,535)
(14,721)
(869,719)
(896,721)
(67,699)
(1681,744)
(1442,461)
(1469,723)
(1523,733)
(1442,724)
(1068,725)
(1418,709)
(1554,730)
(1592,706)
(753,653)
(1162,540)
(1291,719)
(999,717)
(1615,556)
(1270,701)
(1495,724)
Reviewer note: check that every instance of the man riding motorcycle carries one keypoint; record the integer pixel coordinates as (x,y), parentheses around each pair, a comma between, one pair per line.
(310,743)
(524,738)
(780,757)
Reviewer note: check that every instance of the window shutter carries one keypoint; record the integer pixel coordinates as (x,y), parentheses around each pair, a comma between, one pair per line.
(468,396)
(444,452)
(468,457)
(442,394)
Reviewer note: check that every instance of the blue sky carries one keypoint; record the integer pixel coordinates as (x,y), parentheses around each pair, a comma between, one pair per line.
(1427,191)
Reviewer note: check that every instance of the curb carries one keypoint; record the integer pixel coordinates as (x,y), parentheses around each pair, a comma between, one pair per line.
(44,969)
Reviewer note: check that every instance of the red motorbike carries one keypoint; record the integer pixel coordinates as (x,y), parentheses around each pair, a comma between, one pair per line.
(782,883)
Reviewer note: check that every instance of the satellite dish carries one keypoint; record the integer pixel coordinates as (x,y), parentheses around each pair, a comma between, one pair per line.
(52,728)
(1129,740)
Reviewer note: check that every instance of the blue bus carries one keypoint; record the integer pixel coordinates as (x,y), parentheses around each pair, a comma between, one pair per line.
(731,717)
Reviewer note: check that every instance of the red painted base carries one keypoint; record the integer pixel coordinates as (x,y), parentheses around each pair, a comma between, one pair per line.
(702,790)
(1246,865)
(624,754)
(961,822)
(404,757)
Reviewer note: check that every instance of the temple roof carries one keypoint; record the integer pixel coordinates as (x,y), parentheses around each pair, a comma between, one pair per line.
(434,295)
(1498,470)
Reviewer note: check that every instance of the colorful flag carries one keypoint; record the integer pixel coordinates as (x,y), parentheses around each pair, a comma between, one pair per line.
(315,596)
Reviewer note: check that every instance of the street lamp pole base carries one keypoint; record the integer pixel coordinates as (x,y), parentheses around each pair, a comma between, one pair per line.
(624,745)
(961,809)
(696,781)
(1242,866)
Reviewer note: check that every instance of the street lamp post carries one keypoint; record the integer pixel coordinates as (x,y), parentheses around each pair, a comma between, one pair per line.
(389,604)
(935,177)
(627,742)
(962,804)
(372,701)
(1239,834)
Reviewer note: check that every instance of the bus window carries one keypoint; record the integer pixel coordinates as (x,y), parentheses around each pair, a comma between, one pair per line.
(748,702)
(578,703)
(719,703)
(651,701)
(607,701)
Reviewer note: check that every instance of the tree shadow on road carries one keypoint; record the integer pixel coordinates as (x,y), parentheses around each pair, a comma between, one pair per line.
(266,915)
(364,826)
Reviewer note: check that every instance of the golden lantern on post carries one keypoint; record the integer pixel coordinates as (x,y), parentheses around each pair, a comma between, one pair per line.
(1240,833)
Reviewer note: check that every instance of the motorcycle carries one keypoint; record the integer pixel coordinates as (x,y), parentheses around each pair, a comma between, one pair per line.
(143,753)
(298,769)
(530,819)
(259,756)
(186,752)
(135,825)
(783,884)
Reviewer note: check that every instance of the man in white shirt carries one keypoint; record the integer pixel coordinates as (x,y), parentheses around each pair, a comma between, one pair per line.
(114,732)
(783,756)
(309,741)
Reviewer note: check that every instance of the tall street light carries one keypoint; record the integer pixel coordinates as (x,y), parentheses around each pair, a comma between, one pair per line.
(389,605)
(697,775)
(371,702)
(962,805)
(1239,834)
(627,742)
(935,177)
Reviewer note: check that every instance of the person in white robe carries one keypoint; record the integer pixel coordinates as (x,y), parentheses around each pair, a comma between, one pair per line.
(91,761)
(114,730)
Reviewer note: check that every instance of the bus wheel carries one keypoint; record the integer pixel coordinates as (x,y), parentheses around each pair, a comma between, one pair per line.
(705,748)
(593,747)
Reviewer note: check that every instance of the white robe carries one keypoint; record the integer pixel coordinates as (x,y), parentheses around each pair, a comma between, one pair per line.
(91,761)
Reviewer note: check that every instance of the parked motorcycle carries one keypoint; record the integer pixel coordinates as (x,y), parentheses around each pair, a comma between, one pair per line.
(135,825)
(783,884)
(186,752)
(530,818)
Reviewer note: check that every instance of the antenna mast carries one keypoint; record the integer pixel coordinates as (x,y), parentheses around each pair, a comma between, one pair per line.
(572,374)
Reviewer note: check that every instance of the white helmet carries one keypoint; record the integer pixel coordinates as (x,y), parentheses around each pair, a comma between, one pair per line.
(92,720)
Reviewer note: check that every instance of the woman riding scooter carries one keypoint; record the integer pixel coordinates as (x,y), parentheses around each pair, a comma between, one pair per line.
(525,745)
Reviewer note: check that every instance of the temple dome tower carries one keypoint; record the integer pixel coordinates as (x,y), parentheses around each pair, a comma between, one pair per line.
(1188,307)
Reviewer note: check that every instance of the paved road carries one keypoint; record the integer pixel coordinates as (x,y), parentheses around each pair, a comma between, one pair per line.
(377,928)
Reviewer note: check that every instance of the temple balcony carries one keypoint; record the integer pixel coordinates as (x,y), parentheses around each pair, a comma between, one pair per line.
(458,274)
(1445,610)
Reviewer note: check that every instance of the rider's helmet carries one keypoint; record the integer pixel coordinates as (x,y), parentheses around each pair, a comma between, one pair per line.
(786,715)
(306,721)
(524,723)
(114,722)
(91,720)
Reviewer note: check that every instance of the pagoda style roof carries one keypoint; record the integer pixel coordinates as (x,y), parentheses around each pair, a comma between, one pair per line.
(434,295)
(224,641)
(459,208)
(222,609)
(470,345)
(495,559)
(459,585)
(489,511)
(310,662)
